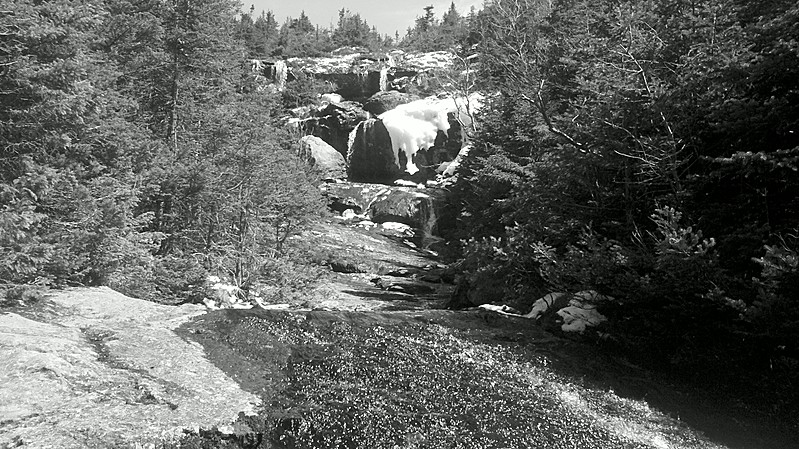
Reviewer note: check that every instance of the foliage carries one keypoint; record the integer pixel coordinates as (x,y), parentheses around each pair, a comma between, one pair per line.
(430,34)
(303,91)
(129,158)
(605,110)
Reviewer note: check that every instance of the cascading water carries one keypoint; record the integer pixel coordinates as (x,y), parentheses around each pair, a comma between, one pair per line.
(352,136)
(281,74)
(428,228)
(384,79)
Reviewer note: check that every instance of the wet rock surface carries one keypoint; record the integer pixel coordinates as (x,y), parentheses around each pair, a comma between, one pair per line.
(411,206)
(334,122)
(322,158)
(370,157)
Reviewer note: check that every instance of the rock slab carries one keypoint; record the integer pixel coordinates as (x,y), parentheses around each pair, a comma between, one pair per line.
(323,158)
(90,367)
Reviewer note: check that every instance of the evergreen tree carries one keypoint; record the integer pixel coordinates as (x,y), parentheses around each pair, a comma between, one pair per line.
(351,31)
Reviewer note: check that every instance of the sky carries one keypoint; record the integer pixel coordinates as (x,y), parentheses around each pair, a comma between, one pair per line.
(387,16)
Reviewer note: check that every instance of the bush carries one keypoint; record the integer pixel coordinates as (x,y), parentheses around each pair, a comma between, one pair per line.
(284,279)
(20,295)
(775,313)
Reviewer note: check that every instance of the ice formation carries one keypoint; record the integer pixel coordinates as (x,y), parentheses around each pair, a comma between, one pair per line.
(414,126)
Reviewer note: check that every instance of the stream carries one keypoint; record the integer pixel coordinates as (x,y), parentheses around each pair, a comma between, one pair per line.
(404,374)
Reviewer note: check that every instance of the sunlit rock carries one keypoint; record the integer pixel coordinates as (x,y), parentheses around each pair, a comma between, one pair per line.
(334,122)
(574,313)
(387,203)
(323,158)
(356,73)
(546,303)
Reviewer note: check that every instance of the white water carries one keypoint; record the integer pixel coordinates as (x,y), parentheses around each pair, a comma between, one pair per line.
(281,74)
(384,79)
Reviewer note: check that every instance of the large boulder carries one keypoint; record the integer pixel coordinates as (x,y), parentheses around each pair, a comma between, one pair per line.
(386,101)
(334,122)
(571,313)
(382,204)
(370,157)
(323,158)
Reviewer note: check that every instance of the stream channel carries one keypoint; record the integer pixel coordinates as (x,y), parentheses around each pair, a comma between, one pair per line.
(371,368)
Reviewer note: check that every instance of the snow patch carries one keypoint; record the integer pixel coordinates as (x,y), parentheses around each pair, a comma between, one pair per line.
(331,98)
(543,304)
(578,316)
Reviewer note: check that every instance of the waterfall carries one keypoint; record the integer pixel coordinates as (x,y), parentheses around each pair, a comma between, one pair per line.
(257,67)
(351,140)
(428,228)
(281,74)
(384,79)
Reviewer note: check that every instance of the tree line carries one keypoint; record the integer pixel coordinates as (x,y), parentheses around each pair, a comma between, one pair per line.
(130,155)
(264,37)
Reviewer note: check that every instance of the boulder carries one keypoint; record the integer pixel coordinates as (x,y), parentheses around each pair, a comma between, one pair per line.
(548,303)
(323,158)
(578,316)
(331,98)
(384,204)
(334,122)
(370,157)
(386,101)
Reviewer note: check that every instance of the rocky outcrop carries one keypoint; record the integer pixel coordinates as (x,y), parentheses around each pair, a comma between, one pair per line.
(334,122)
(382,204)
(386,101)
(323,158)
(370,157)
(374,157)
(357,75)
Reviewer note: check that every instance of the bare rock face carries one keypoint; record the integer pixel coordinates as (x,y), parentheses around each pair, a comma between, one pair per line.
(371,157)
(386,101)
(384,204)
(334,123)
(323,158)
(356,73)
(90,367)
